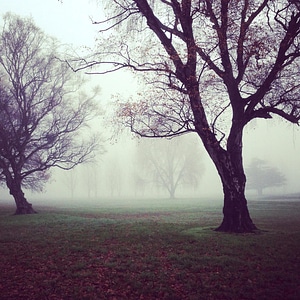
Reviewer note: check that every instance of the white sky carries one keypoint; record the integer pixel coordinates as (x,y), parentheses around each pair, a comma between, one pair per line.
(69,20)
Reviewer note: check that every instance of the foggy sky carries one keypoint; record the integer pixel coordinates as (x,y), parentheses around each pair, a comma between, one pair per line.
(271,140)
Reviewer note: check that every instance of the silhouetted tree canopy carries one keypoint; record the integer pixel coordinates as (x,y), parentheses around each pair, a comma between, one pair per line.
(261,175)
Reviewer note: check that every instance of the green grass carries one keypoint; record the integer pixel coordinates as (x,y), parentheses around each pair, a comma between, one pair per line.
(162,252)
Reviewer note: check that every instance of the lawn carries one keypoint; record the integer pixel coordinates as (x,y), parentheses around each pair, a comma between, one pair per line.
(164,251)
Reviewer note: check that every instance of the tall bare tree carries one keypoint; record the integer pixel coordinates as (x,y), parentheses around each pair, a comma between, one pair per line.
(91,179)
(42,112)
(114,177)
(170,164)
(213,67)
(70,180)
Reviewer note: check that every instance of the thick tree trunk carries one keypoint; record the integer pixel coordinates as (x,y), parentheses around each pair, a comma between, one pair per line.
(23,206)
(172,194)
(236,217)
(229,164)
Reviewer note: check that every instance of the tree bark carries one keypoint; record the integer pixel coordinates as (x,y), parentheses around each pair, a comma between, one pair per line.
(236,217)
(23,206)
(229,163)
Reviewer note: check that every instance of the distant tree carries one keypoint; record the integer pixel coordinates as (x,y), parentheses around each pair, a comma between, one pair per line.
(139,184)
(42,112)
(91,178)
(170,164)
(71,181)
(114,178)
(211,68)
(261,175)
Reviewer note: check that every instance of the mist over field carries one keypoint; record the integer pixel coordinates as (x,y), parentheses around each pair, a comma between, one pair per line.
(109,181)
(272,141)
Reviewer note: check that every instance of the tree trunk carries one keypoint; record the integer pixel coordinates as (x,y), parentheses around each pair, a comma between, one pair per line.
(229,164)
(172,193)
(23,206)
(236,217)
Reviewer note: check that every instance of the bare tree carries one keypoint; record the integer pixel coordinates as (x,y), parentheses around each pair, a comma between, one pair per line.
(42,112)
(91,178)
(170,164)
(70,180)
(114,177)
(139,184)
(213,67)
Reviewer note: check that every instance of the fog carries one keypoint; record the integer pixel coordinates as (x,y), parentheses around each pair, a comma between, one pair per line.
(273,141)
(109,179)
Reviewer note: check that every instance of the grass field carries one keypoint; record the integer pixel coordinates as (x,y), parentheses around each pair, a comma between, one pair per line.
(153,251)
